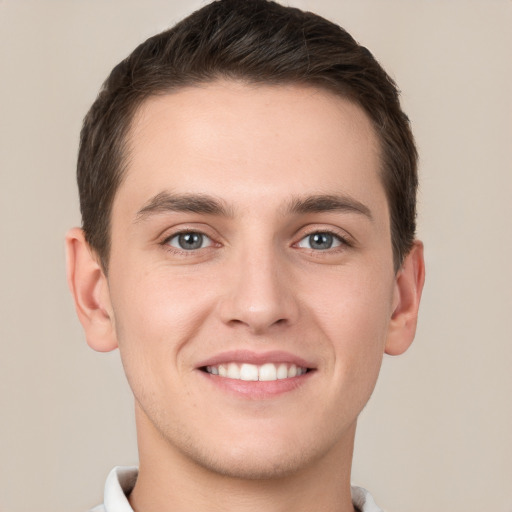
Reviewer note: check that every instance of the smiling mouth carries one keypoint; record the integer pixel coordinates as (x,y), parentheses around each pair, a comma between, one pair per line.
(251,372)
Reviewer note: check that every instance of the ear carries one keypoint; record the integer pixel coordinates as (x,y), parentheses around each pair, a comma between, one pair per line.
(406,301)
(89,287)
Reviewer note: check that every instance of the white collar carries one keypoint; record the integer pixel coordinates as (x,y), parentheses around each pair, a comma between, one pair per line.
(121,481)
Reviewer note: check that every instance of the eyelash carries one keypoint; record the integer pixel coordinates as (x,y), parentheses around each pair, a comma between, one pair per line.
(186,252)
(343,241)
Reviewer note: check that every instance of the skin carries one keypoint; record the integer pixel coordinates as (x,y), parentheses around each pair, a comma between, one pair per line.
(257,285)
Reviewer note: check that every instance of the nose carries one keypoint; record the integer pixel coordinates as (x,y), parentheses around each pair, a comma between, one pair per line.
(259,293)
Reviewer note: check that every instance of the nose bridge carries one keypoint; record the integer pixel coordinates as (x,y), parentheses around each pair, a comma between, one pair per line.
(259,293)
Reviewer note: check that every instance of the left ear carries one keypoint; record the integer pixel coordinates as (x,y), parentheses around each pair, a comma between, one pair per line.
(406,301)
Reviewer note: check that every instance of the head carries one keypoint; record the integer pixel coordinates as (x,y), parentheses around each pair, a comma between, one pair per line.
(248,180)
(256,42)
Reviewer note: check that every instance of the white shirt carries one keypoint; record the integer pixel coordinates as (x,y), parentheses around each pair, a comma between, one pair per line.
(121,481)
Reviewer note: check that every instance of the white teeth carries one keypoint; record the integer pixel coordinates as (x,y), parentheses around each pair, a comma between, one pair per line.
(268,372)
(282,371)
(251,372)
(233,371)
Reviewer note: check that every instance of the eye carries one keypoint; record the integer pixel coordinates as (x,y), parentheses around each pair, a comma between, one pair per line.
(320,241)
(189,241)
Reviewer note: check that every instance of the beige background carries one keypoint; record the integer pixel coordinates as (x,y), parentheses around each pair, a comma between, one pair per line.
(437,433)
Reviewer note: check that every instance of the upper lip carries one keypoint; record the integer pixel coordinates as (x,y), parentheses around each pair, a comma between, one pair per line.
(256,358)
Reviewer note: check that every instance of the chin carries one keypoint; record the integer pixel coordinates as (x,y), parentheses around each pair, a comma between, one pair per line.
(249,464)
(256,457)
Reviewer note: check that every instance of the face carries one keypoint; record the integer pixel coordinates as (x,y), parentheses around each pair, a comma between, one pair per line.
(251,280)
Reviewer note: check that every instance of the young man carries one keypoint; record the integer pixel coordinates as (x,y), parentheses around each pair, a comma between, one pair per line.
(247,184)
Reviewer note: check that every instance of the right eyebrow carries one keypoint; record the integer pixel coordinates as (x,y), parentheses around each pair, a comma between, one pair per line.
(327,203)
(194,203)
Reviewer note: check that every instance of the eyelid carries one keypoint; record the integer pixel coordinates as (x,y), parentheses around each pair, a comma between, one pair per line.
(175,231)
(178,234)
(345,239)
(337,241)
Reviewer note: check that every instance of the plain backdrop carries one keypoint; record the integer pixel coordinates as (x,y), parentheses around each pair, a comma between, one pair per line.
(436,435)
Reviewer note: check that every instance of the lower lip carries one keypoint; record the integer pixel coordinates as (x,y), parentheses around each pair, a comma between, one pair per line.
(257,390)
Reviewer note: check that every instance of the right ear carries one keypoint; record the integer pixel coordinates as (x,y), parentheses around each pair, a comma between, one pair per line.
(89,287)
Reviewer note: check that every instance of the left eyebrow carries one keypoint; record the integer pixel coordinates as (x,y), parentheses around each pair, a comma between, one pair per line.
(326,203)
(193,203)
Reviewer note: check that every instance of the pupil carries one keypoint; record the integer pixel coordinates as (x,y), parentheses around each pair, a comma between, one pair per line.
(321,241)
(190,241)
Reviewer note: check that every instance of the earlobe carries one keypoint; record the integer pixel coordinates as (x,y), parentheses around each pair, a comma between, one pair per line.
(408,287)
(89,288)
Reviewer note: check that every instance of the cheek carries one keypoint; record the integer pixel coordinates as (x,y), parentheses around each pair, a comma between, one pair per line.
(155,316)
(355,301)
(353,310)
(154,311)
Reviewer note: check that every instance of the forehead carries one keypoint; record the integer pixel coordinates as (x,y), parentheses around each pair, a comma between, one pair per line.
(251,142)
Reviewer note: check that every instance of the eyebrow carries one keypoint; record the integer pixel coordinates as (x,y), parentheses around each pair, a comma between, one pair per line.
(210,205)
(194,203)
(327,203)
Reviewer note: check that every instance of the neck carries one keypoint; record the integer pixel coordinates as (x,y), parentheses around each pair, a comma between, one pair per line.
(169,480)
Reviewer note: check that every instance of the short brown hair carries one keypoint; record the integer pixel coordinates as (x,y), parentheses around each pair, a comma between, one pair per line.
(257,41)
